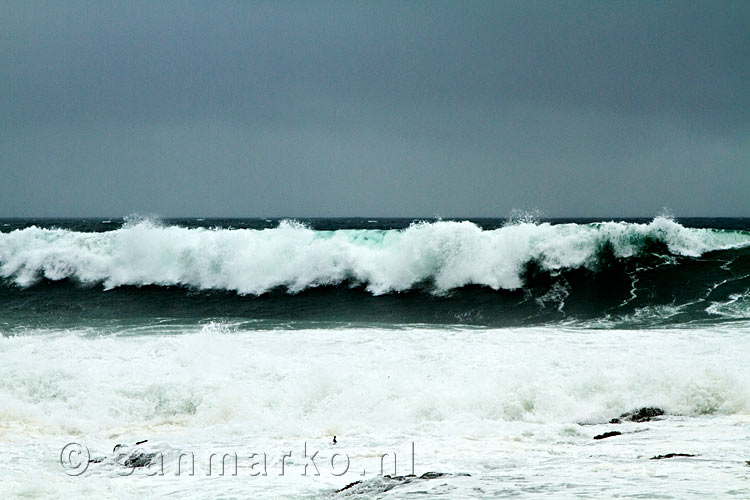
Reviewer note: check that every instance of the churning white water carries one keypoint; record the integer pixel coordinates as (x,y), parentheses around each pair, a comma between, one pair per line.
(250,261)
(505,406)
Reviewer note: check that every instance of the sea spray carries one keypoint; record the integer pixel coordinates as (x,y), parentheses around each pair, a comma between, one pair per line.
(444,254)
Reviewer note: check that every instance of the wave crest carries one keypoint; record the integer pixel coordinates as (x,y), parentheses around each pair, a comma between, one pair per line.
(445,254)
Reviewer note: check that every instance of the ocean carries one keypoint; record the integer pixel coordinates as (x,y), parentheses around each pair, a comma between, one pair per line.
(466,358)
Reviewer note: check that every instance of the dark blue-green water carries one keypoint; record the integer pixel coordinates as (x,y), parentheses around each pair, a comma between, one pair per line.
(304,273)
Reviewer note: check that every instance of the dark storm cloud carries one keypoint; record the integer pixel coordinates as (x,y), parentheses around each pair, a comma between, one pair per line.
(403,108)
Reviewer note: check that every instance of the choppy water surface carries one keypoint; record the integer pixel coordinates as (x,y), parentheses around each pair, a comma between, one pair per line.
(491,352)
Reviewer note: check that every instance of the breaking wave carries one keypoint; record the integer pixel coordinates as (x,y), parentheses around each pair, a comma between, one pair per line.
(606,274)
(443,255)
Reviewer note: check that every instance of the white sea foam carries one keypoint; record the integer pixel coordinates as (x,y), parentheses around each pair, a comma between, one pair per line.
(358,380)
(493,403)
(295,257)
(738,306)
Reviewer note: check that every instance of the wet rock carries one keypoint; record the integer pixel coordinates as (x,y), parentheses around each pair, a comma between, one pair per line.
(608,435)
(135,458)
(432,475)
(387,483)
(350,485)
(123,454)
(671,455)
(644,414)
(139,459)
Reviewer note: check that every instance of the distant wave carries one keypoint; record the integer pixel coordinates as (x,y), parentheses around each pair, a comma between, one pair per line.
(439,255)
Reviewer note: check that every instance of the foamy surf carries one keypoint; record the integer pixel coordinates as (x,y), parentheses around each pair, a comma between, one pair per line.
(450,360)
(494,404)
(445,254)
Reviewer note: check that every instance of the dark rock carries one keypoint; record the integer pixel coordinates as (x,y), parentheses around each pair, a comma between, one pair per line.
(608,435)
(376,485)
(644,414)
(139,459)
(432,475)
(348,486)
(671,455)
(141,442)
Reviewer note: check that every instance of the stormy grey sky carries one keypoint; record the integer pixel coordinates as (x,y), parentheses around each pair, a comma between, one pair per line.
(234,108)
